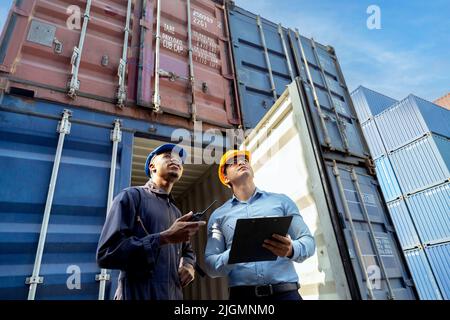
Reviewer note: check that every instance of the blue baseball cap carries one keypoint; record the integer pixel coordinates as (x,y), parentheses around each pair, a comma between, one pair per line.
(162,149)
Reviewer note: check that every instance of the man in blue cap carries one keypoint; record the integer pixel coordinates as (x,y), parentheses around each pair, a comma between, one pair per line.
(146,237)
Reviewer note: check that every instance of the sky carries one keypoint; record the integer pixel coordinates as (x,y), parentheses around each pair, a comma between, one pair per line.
(409,54)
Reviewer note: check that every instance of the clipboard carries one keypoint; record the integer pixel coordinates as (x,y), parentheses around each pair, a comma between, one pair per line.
(249,236)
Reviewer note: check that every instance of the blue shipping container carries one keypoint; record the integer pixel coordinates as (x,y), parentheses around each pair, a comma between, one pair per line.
(373,139)
(268,57)
(430,211)
(28,143)
(264,65)
(411,119)
(403,224)
(387,179)
(386,243)
(439,256)
(369,103)
(422,164)
(422,274)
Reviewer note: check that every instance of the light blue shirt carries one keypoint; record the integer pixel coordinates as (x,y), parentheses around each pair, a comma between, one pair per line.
(221,227)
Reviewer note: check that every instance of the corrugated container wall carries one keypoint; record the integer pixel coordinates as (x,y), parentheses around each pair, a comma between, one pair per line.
(268,57)
(439,256)
(369,103)
(422,164)
(424,279)
(411,119)
(388,181)
(264,64)
(28,143)
(430,210)
(81,55)
(373,138)
(404,225)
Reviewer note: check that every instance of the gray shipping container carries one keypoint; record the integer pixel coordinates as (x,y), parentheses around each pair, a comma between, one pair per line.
(423,275)
(373,138)
(430,211)
(422,164)
(411,119)
(387,179)
(404,224)
(439,256)
(369,103)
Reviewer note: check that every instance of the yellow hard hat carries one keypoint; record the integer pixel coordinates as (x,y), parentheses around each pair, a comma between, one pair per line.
(227,156)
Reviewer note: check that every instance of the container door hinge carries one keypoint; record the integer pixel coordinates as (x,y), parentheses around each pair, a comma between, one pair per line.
(116,133)
(36,280)
(64,125)
(102,277)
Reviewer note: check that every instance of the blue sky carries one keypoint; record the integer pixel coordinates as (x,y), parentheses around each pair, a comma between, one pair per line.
(409,54)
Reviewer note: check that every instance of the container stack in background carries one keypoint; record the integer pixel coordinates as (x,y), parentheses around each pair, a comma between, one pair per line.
(410,143)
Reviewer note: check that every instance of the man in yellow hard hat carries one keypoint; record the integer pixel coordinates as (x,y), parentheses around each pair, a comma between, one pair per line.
(263,280)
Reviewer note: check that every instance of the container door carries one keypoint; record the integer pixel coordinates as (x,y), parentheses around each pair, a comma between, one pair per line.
(370,237)
(166,80)
(28,145)
(264,64)
(328,97)
(66,52)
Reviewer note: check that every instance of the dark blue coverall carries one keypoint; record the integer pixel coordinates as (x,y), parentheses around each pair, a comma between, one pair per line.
(130,242)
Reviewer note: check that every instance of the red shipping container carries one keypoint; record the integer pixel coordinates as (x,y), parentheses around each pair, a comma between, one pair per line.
(43,40)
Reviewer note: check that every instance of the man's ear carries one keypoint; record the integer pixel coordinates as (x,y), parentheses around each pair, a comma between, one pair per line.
(152,167)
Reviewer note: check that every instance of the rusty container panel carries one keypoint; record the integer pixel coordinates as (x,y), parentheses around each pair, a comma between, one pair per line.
(37,54)
(213,84)
(47,33)
(444,101)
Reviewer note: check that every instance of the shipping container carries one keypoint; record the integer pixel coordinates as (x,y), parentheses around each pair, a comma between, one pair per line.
(404,225)
(30,144)
(264,64)
(387,179)
(341,203)
(422,163)
(373,138)
(267,58)
(430,211)
(411,119)
(326,91)
(369,103)
(439,256)
(111,56)
(423,276)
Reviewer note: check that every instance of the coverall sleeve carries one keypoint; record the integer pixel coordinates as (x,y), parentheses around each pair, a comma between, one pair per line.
(188,254)
(118,247)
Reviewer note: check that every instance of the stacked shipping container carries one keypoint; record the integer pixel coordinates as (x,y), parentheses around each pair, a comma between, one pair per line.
(410,142)
(175,57)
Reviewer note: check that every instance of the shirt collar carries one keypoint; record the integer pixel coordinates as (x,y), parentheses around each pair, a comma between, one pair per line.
(151,187)
(258,192)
